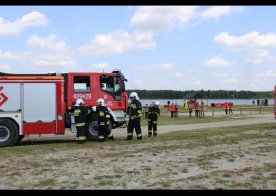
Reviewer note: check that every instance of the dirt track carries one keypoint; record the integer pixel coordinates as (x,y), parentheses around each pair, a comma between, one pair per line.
(121,132)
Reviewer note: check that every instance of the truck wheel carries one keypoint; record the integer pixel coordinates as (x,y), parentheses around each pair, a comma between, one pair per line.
(8,133)
(91,131)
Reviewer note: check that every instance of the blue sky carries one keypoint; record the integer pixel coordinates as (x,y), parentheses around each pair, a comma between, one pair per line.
(156,47)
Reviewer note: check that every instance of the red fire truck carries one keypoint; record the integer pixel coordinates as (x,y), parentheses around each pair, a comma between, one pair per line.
(44,103)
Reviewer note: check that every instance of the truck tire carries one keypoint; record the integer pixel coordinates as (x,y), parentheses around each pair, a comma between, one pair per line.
(8,133)
(91,128)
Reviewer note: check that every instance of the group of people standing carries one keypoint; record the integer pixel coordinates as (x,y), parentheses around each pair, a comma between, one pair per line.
(193,104)
(174,110)
(104,126)
(228,108)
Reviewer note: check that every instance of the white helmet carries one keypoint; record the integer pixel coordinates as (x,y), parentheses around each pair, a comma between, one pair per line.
(156,103)
(100,101)
(133,95)
(79,102)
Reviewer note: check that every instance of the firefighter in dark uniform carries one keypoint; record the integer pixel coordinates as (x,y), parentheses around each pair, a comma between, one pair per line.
(135,112)
(103,121)
(80,113)
(154,112)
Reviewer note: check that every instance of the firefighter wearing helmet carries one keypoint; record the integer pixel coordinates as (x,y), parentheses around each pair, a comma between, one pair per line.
(80,113)
(104,129)
(135,112)
(154,112)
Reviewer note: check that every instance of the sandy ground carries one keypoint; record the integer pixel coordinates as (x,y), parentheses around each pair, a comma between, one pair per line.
(248,162)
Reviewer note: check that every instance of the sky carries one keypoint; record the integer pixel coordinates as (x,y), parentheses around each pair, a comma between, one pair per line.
(155,47)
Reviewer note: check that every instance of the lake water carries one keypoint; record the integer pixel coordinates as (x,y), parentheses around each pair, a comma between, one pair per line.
(206,101)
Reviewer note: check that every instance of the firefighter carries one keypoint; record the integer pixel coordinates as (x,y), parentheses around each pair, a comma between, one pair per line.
(154,112)
(103,121)
(80,113)
(135,112)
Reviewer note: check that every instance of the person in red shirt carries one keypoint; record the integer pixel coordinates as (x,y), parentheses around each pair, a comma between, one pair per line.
(196,104)
(226,107)
(172,107)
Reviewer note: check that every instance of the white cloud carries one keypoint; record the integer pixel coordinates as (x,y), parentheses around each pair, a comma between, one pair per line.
(218,61)
(250,41)
(46,43)
(5,68)
(214,12)
(12,56)
(231,81)
(220,75)
(254,44)
(269,74)
(117,42)
(53,62)
(101,66)
(161,18)
(31,19)
(155,68)
(180,74)
(137,81)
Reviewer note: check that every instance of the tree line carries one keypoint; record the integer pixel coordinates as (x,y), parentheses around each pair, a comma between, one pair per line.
(210,94)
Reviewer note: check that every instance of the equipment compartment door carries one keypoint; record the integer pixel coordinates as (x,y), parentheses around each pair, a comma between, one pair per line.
(39,102)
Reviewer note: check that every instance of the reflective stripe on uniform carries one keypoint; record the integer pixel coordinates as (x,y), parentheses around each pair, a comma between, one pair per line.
(107,116)
(82,138)
(110,135)
(133,106)
(101,113)
(101,137)
(80,124)
(77,112)
(140,134)
(130,134)
(102,123)
(154,122)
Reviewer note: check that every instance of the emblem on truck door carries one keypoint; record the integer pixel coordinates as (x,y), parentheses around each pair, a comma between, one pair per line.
(3,97)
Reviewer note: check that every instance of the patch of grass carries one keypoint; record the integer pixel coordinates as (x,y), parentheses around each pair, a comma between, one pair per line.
(227,175)
(118,170)
(45,183)
(105,182)
(185,170)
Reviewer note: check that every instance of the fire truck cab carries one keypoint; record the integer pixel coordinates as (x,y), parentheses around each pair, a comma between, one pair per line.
(44,103)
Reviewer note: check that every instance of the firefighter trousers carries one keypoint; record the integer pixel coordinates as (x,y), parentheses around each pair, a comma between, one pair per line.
(104,132)
(81,131)
(152,124)
(134,124)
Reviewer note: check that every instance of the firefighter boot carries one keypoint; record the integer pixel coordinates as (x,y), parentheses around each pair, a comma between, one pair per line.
(129,137)
(80,140)
(101,138)
(110,137)
(139,136)
(149,133)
